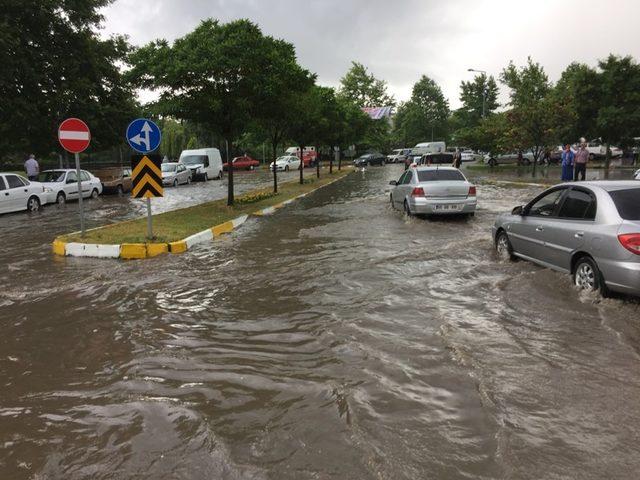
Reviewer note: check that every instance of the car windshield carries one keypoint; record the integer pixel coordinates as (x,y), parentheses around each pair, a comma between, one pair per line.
(627,202)
(282,159)
(51,176)
(193,159)
(439,175)
(168,167)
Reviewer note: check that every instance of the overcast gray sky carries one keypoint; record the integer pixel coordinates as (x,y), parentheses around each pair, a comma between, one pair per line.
(403,39)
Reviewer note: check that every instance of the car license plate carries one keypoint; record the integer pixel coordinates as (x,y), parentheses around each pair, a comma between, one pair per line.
(449,207)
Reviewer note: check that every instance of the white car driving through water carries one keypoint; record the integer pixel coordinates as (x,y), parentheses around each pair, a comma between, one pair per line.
(17,193)
(286,163)
(434,190)
(63,184)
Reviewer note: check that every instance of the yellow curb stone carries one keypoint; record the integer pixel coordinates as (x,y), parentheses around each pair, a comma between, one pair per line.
(178,247)
(59,247)
(133,250)
(155,249)
(225,227)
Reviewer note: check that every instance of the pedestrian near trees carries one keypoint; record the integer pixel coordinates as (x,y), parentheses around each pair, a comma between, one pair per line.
(580,160)
(457,158)
(567,163)
(31,167)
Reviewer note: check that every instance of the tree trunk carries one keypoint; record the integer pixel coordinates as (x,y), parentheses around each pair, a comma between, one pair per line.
(301,165)
(274,146)
(536,154)
(607,160)
(230,198)
(331,155)
(317,162)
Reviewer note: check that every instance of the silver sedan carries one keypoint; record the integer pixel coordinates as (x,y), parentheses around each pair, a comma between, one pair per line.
(434,190)
(590,230)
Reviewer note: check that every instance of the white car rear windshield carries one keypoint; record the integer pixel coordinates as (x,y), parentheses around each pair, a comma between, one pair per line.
(168,168)
(627,202)
(439,175)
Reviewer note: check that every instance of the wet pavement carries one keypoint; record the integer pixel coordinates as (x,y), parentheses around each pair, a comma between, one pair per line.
(334,339)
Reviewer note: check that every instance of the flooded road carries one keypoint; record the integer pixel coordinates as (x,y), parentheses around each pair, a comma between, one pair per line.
(334,339)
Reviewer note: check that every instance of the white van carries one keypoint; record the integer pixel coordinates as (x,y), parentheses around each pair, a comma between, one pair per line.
(428,147)
(204,163)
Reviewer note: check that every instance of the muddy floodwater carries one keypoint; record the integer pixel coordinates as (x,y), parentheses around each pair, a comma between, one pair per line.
(336,339)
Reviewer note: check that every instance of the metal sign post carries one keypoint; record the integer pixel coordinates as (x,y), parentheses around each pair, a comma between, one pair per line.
(74,136)
(144,136)
(80,204)
(149,221)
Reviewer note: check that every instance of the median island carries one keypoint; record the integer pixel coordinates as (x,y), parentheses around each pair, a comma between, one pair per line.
(177,225)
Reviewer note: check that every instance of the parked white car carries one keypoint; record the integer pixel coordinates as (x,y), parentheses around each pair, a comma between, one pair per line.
(204,163)
(175,173)
(63,185)
(286,163)
(597,150)
(17,194)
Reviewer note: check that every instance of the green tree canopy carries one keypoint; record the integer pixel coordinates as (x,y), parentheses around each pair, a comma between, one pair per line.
(425,116)
(54,66)
(363,89)
(479,97)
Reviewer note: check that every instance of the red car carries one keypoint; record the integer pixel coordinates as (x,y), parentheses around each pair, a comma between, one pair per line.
(242,163)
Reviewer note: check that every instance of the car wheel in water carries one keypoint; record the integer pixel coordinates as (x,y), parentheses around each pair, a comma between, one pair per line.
(368,164)
(33,204)
(251,167)
(504,250)
(94,193)
(220,175)
(61,199)
(407,209)
(587,276)
(592,157)
(492,162)
(286,169)
(120,191)
(206,177)
(188,180)
(175,182)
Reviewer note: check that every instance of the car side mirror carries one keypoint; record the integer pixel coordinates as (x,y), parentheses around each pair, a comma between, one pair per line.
(393,182)
(519,210)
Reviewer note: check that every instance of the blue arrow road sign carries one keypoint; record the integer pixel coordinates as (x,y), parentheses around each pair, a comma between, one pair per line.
(143,135)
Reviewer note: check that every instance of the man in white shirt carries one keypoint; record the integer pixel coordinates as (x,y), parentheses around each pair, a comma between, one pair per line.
(31,167)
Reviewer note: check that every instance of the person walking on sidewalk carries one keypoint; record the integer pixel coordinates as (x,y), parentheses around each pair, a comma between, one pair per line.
(32,168)
(580,160)
(567,163)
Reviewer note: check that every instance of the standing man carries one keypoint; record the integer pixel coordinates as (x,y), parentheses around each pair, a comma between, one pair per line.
(457,158)
(580,160)
(32,168)
(567,163)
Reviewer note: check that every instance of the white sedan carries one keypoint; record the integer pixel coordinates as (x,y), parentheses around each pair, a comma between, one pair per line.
(286,163)
(17,193)
(64,184)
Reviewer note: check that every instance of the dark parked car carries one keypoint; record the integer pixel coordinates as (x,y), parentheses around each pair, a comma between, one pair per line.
(369,159)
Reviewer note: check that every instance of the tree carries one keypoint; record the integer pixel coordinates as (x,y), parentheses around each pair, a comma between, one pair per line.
(618,118)
(579,87)
(424,116)
(217,76)
(363,89)
(536,116)
(479,98)
(54,65)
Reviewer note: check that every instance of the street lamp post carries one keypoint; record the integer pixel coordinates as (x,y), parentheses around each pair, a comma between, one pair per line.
(484,89)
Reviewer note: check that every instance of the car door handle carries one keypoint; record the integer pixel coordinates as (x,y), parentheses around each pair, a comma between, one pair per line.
(26,190)
(539,229)
(579,234)
(6,194)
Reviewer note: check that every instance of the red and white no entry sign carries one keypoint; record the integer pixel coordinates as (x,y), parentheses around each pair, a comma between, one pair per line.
(74,135)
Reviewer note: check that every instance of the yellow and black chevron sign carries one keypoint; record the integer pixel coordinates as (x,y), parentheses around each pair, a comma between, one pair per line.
(146,174)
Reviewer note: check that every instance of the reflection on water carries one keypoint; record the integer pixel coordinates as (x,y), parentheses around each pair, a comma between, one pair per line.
(334,339)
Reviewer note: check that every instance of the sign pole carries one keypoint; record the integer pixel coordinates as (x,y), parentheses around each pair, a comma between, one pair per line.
(149,224)
(80,195)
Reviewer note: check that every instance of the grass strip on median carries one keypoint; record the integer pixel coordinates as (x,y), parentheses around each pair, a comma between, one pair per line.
(179,224)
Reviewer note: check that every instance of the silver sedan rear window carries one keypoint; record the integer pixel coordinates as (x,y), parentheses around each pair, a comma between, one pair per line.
(627,202)
(437,175)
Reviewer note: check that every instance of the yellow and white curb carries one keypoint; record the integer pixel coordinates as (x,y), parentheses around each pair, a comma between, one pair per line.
(148,250)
